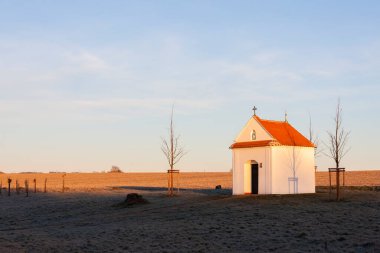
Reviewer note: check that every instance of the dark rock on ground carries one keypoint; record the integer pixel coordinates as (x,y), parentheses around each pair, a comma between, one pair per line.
(131,200)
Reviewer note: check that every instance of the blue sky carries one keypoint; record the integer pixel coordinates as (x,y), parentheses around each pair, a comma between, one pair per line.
(90,84)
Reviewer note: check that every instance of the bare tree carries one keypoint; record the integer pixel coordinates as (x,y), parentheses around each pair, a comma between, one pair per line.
(313,138)
(172,150)
(293,162)
(337,145)
(294,159)
(337,140)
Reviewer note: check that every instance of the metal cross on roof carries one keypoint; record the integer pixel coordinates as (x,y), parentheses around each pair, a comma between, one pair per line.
(254,110)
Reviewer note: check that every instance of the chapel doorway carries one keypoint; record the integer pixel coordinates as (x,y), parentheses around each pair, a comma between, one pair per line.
(254,178)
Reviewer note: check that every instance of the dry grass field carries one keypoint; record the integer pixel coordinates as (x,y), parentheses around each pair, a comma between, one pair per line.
(198,219)
(96,181)
(352,178)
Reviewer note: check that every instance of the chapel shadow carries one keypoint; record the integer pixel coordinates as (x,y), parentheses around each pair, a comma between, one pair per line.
(206,191)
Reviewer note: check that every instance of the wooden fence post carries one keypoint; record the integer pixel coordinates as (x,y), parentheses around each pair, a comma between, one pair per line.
(63,182)
(35,185)
(171,181)
(337,179)
(17,188)
(337,184)
(9,186)
(330,184)
(178,181)
(45,185)
(27,188)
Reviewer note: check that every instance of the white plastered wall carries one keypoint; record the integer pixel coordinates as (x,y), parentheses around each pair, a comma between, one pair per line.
(252,124)
(242,158)
(282,158)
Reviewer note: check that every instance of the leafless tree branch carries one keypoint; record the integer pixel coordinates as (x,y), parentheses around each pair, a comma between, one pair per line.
(314,138)
(171,148)
(294,156)
(338,139)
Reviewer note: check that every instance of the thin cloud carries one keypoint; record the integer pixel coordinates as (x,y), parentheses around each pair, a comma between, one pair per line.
(86,61)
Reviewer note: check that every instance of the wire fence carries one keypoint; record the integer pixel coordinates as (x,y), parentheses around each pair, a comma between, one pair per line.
(56,182)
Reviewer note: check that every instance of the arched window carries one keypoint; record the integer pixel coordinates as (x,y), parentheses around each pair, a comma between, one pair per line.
(253,135)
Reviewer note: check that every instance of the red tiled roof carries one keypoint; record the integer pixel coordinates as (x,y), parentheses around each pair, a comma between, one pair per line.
(252,144)
(284,133)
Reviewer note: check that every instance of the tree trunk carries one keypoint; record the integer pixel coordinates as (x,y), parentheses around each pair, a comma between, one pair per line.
(337,183)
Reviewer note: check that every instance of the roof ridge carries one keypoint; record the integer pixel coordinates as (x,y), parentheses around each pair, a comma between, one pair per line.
(284,132)
(275,121)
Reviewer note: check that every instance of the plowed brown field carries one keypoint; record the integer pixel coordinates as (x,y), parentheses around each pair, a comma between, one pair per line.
(94,181)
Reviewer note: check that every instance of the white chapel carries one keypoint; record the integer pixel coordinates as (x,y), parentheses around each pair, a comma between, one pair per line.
(272,157)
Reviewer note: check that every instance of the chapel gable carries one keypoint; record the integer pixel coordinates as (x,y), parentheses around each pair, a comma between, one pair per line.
(253,131)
